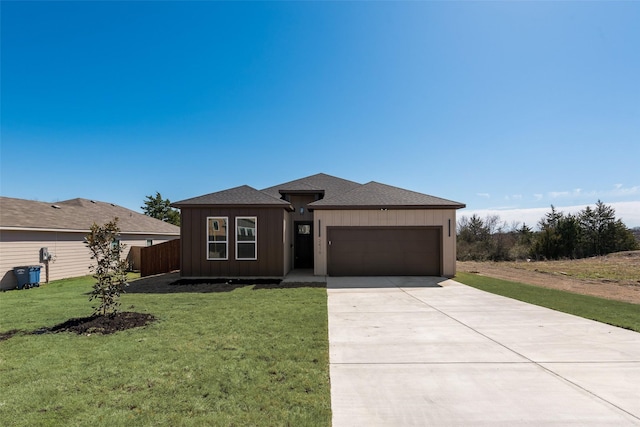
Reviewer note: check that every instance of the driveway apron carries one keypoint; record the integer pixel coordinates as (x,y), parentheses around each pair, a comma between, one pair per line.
(426,351)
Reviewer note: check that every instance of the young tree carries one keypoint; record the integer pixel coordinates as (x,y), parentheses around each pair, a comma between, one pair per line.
(110,270)
(159,208)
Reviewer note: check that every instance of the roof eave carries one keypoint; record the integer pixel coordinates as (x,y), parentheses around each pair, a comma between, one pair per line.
(283,191)
(382,207)
(231,205)
(76,230)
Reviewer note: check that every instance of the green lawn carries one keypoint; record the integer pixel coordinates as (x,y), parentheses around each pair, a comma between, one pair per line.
(617,313)
(243,357)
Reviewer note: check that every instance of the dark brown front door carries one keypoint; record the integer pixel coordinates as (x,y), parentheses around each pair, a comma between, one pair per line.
(303,244)
(384,251)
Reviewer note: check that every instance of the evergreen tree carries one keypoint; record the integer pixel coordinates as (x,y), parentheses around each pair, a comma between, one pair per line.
(592,232)
(546,243)
(159,208)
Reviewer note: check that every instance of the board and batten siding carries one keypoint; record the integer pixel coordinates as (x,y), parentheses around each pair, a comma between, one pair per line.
(445,218)
(71,256)
(194,247)
(287,236)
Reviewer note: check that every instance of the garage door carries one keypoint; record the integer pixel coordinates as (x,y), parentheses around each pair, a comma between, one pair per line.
(383,251)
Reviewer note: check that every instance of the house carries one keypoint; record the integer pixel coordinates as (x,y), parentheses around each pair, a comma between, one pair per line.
(27,226)
(331,225)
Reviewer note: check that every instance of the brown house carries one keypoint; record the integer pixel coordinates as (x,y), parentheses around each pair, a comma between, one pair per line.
(331,225)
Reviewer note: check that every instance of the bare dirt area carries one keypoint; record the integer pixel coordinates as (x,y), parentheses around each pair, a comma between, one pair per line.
(615,276)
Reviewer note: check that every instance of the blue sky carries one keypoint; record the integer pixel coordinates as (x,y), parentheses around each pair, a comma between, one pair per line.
(508,107)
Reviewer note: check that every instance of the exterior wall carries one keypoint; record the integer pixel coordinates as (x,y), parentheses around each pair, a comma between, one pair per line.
(287,235)
(71,256)
(297,201)
(270,246)
(301,201)
(446,218)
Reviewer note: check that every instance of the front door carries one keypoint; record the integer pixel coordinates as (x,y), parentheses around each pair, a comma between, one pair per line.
(303,244)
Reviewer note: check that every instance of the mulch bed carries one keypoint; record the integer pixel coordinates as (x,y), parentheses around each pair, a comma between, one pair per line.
(8,334)
(101,324)
(242,282)
(172,283)
(91,325)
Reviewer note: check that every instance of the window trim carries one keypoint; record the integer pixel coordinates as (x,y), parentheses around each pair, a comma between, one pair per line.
(254,241)
(226,241)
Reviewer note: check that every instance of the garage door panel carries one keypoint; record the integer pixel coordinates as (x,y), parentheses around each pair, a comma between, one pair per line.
(389,251)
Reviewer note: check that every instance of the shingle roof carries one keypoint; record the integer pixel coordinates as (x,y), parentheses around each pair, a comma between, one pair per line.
(337,193)
(77,215)
(243,195)
(328,185)
(377,195)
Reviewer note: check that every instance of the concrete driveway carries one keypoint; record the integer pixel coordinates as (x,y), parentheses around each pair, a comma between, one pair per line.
(433,352)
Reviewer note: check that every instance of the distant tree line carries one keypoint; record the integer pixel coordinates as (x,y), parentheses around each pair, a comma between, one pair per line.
(591,232)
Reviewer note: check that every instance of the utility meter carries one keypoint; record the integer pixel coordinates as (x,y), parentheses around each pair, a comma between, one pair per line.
(45,256)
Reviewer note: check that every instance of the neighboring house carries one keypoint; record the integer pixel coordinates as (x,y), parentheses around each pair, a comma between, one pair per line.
(334,226)
(27,226)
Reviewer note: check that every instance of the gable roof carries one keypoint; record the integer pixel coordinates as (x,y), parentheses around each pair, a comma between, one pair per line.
(77,215)
(377,195)
(319,183)
(242,195)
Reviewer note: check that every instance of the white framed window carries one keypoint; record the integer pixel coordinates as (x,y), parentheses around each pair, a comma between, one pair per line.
(217,238)
(246,238)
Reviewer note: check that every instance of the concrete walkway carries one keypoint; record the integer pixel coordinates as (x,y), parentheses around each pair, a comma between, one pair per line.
(434,352)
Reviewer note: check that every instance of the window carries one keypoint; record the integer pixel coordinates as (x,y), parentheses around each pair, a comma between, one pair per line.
(246,238)
(217,238)
(149,242)
(304,229)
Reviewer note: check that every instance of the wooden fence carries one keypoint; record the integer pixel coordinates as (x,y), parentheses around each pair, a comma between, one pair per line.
(160,258)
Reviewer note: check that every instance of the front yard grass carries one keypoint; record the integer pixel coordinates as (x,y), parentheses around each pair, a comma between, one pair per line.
(617,313)
(249,356)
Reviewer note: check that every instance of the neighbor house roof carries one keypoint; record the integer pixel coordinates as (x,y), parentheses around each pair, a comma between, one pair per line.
(377,195)
(76,215)
(322,183)
(243,195)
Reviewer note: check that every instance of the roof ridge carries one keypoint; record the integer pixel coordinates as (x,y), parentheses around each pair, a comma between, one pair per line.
(320,182)
(341,195)
(375,193)
(241,194)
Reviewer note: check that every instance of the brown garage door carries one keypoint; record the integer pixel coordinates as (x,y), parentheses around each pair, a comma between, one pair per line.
(384,251)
